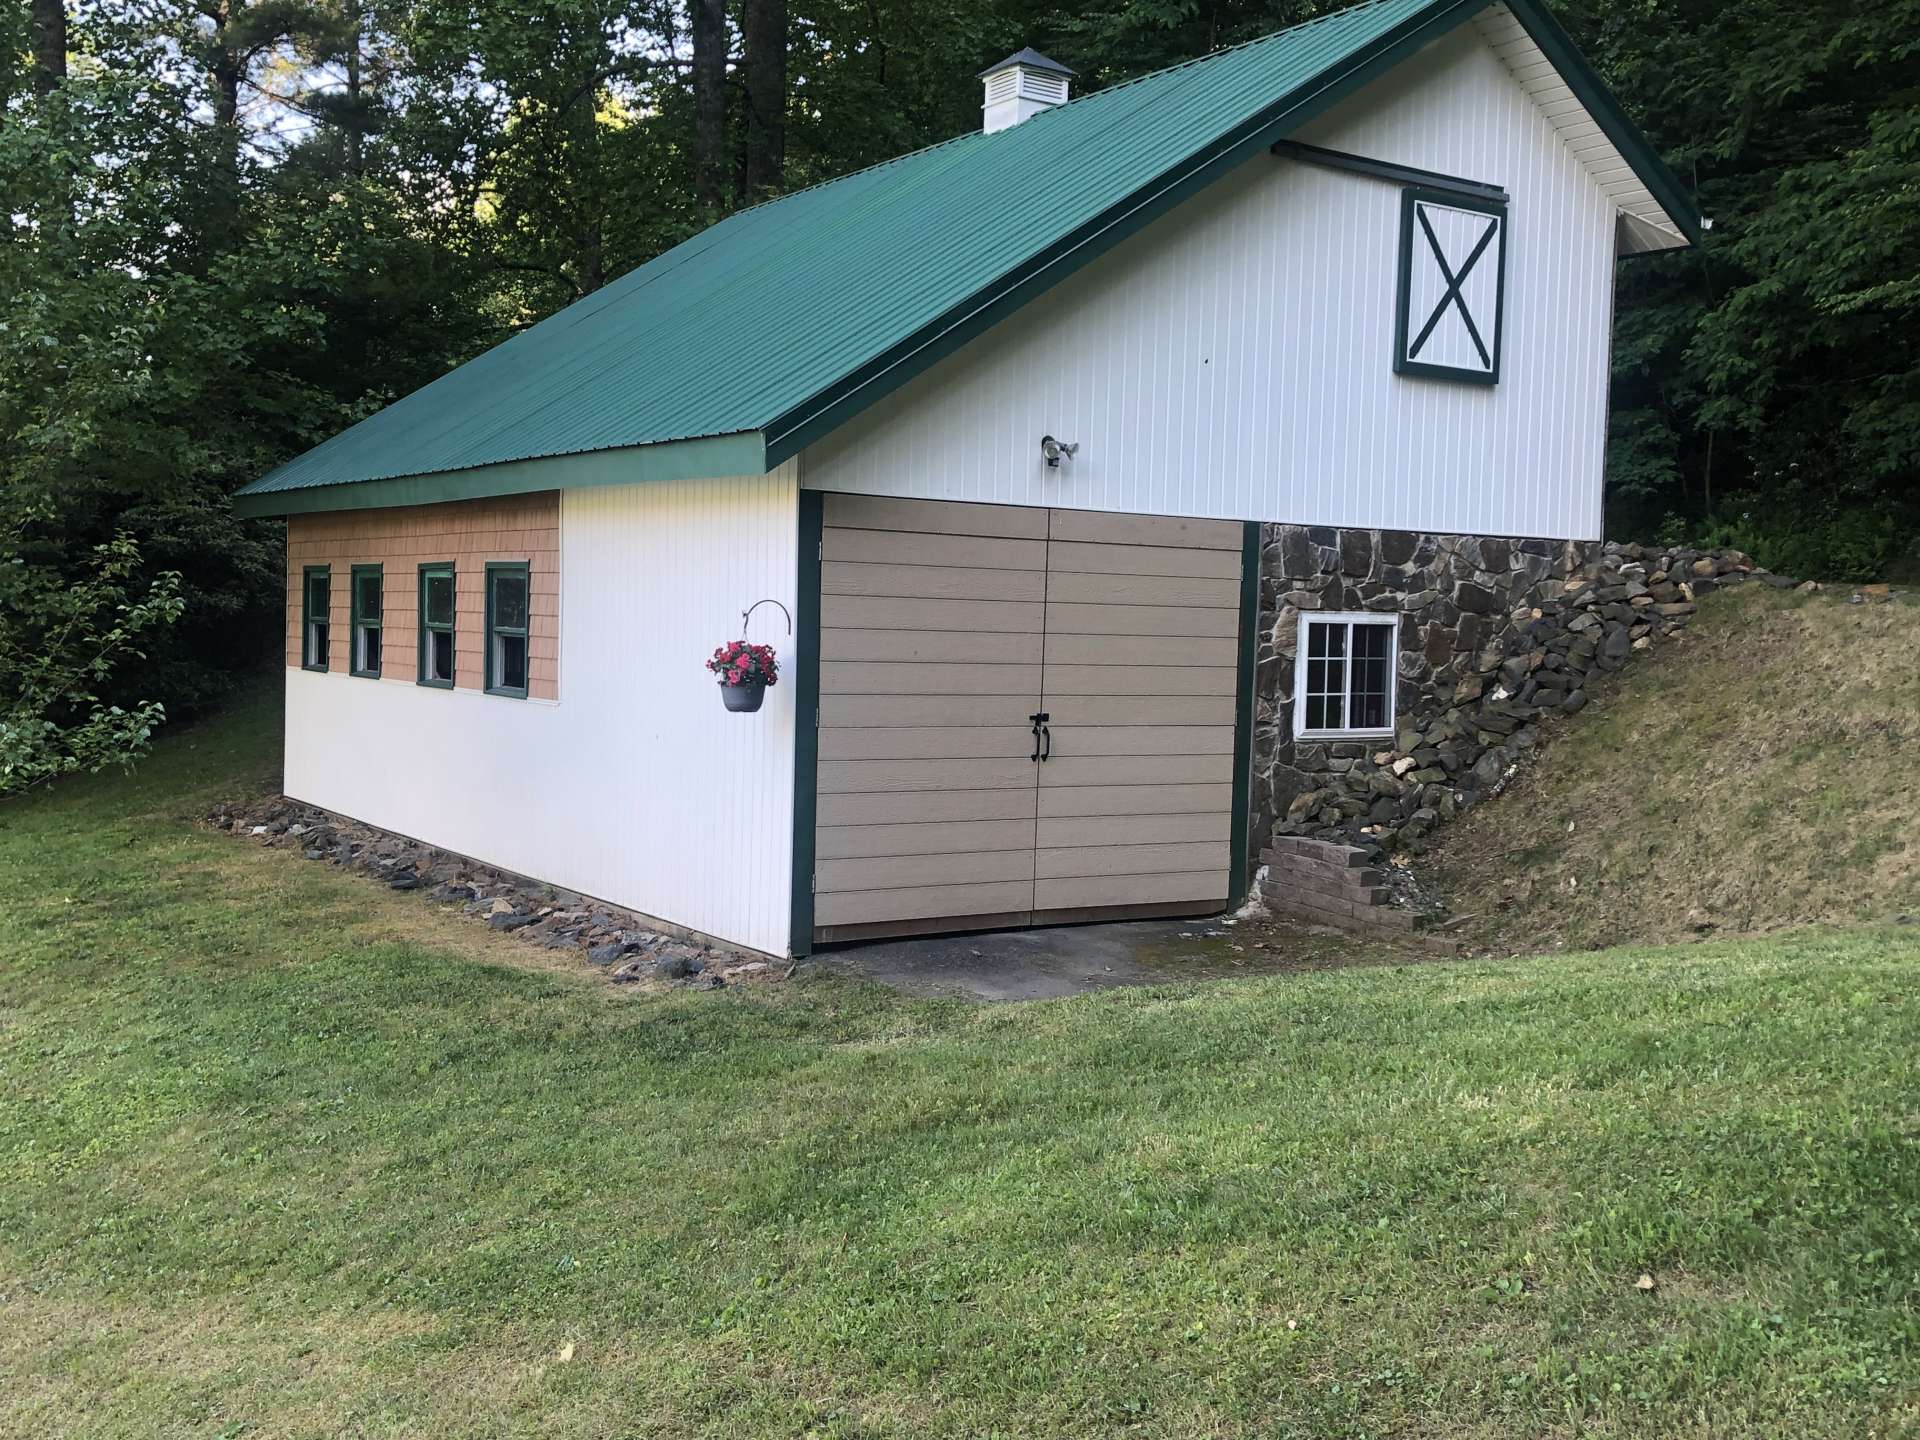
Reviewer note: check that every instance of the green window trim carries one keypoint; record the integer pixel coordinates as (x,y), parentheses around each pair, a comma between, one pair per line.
(315,629)
(1411,232)
(364,631)
(429,628)
(501,633)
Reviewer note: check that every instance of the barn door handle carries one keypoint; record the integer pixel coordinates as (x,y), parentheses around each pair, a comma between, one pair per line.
(1039,720)
(1046,733)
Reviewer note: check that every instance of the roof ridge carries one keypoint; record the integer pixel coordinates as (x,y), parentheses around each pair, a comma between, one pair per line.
(1091,95)
(1224,50)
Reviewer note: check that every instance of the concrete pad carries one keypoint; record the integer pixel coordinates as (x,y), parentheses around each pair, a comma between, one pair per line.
(1062,960)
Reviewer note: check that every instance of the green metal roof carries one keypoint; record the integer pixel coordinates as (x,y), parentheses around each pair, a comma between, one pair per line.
(733,351)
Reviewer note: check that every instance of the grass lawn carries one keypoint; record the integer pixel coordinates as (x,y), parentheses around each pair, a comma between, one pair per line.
(284,1153)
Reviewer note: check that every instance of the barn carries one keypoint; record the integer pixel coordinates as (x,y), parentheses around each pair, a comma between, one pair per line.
(1103,466)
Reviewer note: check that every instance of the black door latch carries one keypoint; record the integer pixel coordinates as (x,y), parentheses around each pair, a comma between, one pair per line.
(1042,736)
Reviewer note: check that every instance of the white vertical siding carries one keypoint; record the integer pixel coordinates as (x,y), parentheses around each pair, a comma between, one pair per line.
(1234,359)
(635,786)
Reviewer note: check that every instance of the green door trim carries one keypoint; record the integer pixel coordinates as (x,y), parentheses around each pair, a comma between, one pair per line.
(806,723)
(1244,710)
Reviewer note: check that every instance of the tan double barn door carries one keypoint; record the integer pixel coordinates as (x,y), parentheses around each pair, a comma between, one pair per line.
(945,629)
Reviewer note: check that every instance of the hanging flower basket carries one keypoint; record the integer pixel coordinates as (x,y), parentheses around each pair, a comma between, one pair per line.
(744,670)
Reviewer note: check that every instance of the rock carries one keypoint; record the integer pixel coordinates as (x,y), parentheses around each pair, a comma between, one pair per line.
(610,952)
(403,880)
(1379,782)
(1356,553)
(1575,700)
(1475,599)
(676,967)
(1299,556)
(501,907)
(510,920)
(1396,547)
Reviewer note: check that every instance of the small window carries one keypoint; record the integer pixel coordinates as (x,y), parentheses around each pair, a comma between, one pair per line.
(1344,675)
(1453,269)
(367,597)
(507,629)
(316,591)
(436,626)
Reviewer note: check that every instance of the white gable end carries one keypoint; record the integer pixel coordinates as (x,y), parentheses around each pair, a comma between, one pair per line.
(1237,357)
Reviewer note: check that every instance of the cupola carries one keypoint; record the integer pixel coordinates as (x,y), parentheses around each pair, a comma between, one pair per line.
(1021,86)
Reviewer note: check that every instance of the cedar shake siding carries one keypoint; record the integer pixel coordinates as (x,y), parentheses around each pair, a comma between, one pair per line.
(467,533)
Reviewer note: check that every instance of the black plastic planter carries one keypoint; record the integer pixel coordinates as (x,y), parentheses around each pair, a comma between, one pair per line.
(744,699)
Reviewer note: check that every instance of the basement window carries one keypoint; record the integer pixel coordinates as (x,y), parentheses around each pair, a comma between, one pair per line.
(436,626)
(507,629)
(1343,674)
(364,658)
(316,598)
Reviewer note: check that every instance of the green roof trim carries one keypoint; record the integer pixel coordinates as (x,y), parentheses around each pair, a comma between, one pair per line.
(740,347)
(707,459)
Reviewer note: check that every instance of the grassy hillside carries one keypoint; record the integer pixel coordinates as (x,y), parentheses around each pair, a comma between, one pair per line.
(1759,770)
(285,1153)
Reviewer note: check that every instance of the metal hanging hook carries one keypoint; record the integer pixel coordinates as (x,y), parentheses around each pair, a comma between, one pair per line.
(747,614)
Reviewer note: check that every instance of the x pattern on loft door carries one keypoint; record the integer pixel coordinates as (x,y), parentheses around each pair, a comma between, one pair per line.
(1452,287)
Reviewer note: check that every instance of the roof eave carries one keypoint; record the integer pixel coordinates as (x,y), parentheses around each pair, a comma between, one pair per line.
(709,457)
(1592,92)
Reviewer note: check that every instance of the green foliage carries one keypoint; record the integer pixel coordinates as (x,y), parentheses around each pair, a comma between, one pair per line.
(1774,373)
(1799,532)
(62,636)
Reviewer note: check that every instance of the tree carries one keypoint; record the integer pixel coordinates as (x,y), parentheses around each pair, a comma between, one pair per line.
(62,636)
(1767,385)
(49,45)
(709,100)
(764,39)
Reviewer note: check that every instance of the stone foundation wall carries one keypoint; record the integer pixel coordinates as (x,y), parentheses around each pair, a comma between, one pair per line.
(1495,634)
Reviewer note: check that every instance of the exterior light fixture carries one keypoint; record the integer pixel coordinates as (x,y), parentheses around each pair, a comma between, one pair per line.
(1054,450)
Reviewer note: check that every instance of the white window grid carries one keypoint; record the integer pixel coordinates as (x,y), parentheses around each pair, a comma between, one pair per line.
(1331,692)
